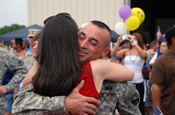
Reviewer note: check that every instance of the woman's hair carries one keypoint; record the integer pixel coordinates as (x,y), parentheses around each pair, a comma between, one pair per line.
(166,43)
(139,39)
(19,41)
(59,67)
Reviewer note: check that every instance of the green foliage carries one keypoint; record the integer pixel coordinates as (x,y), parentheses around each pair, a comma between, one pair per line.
(11,28)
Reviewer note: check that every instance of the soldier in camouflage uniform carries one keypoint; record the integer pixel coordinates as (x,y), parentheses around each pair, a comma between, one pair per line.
(10,61)
(29,60)
(29,103)
(121,96)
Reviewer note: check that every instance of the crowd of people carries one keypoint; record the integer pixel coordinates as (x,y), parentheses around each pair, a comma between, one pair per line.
(65,70)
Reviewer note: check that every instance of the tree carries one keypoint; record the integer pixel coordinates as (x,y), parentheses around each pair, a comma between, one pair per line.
(11,28)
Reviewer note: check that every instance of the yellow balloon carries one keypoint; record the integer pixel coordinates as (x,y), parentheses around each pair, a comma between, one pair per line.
(139,13)
(132,23)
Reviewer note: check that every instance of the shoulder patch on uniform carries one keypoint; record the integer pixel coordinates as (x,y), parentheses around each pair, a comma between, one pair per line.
(20,62)
(135,99)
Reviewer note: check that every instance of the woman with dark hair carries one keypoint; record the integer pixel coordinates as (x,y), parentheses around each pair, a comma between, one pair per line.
(17,45)
(134,59)
(58,69)
(163,47)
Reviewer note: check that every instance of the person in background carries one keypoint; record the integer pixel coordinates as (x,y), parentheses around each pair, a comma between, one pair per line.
(9,61)
(162,38)
(134,59)
(125,44)
(17,45)
(25,45)
(31,35)
(164,46)
(7,77)
(163,77)
(151,52)
(145,73)
(28,59)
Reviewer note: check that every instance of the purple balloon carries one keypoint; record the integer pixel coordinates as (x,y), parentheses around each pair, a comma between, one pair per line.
(125,12)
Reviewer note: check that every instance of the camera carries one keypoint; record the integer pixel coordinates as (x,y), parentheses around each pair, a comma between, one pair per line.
(125,37)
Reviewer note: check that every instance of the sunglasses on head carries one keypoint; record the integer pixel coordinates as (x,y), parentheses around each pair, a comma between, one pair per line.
(62,14)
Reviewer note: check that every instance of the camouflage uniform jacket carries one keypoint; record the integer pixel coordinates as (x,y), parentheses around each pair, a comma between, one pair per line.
(29,60)
(29,103)
(10,61)
(121,96)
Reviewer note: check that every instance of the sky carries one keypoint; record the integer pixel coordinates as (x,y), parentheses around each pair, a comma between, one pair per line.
(13,12)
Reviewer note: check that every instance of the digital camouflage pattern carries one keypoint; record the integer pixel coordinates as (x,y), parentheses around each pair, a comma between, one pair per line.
(29,60)
(10,61)
(3,104)
(29,103)
(149,57)
(121,96)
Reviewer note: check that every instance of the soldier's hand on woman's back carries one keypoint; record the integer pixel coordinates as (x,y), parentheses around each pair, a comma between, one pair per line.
(78,104)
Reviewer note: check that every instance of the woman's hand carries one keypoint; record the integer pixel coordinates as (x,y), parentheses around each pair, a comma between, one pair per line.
(119,40)
(132,40)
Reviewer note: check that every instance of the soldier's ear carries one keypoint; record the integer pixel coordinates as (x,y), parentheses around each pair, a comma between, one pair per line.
(106,51)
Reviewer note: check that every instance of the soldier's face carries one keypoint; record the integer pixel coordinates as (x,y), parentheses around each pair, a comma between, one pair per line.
(92,43)
(31,40)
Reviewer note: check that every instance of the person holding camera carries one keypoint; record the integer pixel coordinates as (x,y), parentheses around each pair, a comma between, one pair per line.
(134,59)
